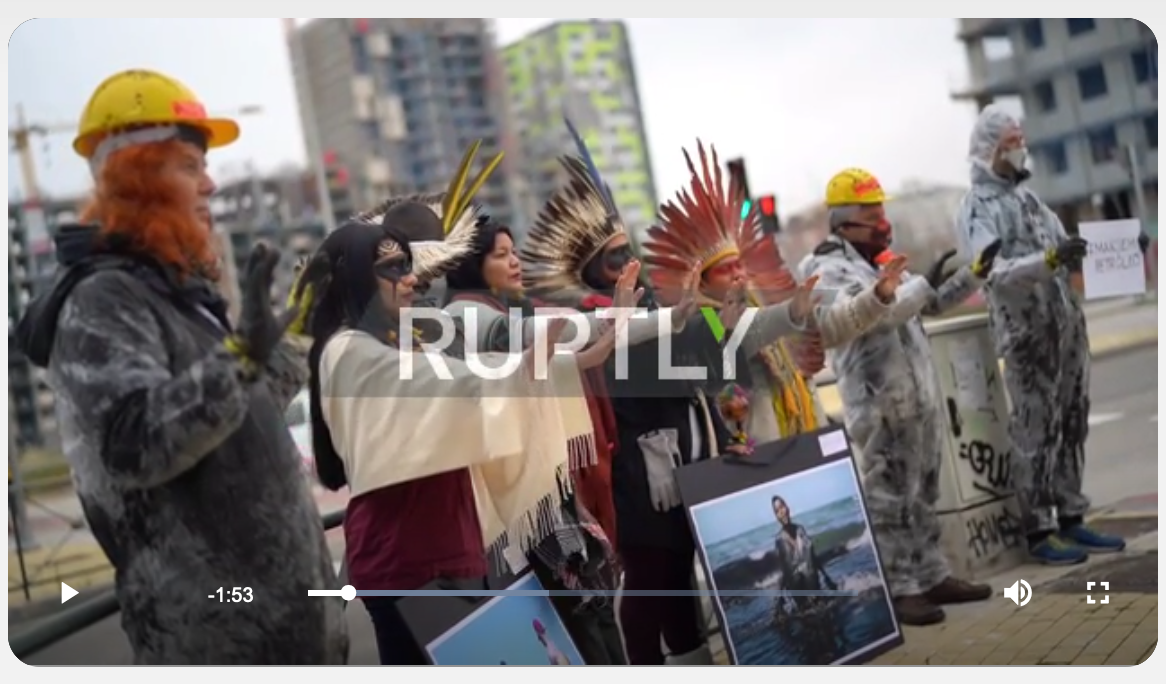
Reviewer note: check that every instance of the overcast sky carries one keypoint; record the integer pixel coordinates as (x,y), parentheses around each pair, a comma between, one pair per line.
(800,99)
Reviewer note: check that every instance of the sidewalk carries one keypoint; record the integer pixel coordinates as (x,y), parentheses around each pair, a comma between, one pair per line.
(1058,626)
(1113,329)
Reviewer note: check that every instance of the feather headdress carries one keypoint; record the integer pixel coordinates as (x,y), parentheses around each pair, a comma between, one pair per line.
(457,211)
(704,226)
(571,229)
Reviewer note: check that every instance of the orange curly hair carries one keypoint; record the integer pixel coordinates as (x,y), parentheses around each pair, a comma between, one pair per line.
(134,202)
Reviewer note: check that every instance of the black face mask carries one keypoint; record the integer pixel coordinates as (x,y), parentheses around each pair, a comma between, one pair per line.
(616,259)
(393,270)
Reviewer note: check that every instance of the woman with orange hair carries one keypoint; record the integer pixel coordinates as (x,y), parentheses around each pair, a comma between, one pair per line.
(171,417)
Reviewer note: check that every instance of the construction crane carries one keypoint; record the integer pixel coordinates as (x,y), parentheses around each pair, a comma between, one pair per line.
(22,135)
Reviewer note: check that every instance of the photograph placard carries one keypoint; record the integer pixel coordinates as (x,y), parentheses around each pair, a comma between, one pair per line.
(502,630)
(785,540)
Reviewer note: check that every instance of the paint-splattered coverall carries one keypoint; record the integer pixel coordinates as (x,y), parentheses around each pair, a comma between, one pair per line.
(189,478)
(890,398)
(1040,333)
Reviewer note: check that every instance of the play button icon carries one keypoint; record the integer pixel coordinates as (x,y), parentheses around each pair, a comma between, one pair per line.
(67,592)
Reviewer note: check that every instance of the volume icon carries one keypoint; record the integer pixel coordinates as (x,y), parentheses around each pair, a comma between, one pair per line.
(1020,592)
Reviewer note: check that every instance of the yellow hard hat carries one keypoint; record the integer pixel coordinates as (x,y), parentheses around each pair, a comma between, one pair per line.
(135,98)
(854,186)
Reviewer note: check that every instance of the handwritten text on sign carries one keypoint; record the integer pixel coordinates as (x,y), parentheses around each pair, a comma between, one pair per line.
(1114,265)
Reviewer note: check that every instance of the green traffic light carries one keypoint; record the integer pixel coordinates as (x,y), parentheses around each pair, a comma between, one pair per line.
(745,207)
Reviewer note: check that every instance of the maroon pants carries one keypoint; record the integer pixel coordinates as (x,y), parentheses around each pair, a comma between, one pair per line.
(645,619)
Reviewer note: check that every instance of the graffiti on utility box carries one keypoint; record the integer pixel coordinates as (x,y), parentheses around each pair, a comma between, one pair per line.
(991,470)
(992,529)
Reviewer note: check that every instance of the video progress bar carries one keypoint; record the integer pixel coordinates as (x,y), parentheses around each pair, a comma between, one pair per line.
(348,593)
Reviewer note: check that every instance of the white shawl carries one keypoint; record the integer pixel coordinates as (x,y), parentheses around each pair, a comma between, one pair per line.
(511,433)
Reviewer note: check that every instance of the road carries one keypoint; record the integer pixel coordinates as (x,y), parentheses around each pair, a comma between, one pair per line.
(1122,452)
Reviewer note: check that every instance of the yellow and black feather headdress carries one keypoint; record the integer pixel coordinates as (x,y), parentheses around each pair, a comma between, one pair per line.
(571,229)
(458,213)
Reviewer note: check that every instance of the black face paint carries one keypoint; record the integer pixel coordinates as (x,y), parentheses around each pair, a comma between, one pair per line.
(615,259)
(393,270)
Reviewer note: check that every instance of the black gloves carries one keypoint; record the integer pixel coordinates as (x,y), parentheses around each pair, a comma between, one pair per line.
(259,330)
(1143,242)
(935,274)
(1068,254)
(982,266)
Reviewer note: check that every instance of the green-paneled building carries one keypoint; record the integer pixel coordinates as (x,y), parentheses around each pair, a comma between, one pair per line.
(583,69)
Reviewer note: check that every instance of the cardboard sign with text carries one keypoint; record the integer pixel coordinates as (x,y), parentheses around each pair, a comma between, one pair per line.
(1114,266)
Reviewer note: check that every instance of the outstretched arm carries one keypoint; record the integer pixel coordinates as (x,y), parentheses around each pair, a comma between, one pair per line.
(849,316)
(845,289)
(111,362)
(454,416)
(953,292)
(980,224)
(771,324)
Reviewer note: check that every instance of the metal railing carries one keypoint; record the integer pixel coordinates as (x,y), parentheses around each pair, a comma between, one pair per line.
(91,610)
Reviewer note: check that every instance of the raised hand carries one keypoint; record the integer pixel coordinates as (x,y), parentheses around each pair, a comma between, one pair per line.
(890,278)
(627,295)
(801,308)
(259,329)
(734,306)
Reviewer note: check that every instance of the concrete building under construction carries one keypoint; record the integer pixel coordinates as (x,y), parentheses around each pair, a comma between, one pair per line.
(1089,88)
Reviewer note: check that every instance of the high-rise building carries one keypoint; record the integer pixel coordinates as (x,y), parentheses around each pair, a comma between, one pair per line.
(583,69)
(397,101)
(281,209)
(1089,89)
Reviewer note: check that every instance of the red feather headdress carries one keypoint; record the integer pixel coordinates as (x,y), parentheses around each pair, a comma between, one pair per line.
(704,226)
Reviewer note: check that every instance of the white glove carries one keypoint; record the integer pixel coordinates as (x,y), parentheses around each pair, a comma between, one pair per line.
(661,452)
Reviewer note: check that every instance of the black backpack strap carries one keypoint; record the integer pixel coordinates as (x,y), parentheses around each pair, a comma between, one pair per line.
(38,327)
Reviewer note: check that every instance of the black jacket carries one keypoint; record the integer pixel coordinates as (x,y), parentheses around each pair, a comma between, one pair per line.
(642,403)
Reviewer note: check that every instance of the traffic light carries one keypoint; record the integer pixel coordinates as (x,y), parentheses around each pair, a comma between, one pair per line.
(339,188)
(736,168)
(767,207)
